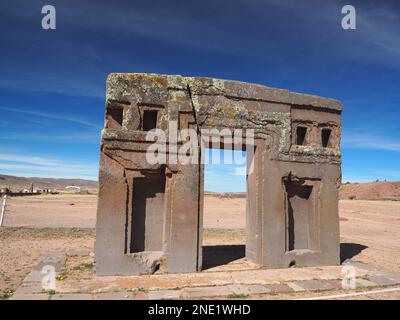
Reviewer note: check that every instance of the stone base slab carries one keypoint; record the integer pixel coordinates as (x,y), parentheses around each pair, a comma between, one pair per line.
(263,283)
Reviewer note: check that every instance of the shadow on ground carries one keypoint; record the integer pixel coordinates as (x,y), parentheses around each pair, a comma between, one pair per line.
(349,250)
(214,256)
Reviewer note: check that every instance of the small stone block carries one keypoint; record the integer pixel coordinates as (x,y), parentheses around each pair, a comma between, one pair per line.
(58,263)
(199,292)
(29,296)
(34,276)
(140,295)
(315,285)
(336,284)
(394,276)
(360,283)
(71,296)
(280,288)
(119,295)
(296,286)
(30,287)
(249,289)
(164,294)
(382,280)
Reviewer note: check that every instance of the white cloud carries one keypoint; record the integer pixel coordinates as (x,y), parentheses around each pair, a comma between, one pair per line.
(75,137)
(241,171)
(45,167)
(31,160)
(365,141)
(71,169)
(55,175)
(53,116)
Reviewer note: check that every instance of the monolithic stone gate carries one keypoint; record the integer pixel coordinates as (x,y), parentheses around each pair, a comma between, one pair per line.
(149,216)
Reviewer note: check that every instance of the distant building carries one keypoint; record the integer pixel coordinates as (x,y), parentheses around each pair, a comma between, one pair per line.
(76,188)
(50,191)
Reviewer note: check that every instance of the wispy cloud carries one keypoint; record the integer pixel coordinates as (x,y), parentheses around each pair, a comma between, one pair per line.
(53,116)
(54,175)
(41,166)
(66,169)
(69,84)
(240,29)
(31,160)
(365,141)
(73,137)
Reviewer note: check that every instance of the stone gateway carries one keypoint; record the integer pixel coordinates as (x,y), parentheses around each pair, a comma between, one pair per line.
(150,215)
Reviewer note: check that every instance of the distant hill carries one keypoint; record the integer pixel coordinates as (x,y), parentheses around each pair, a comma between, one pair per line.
(18,183)
(223,195)
(381,190)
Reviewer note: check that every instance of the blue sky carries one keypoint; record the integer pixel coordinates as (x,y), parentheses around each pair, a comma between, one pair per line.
(52,83)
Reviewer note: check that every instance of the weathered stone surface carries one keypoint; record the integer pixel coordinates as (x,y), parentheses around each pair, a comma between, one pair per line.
(29,296)
(249,289)
(119,295)
(295,286)
(315,285)
(149,215)
(361,283)
(34,276)
(164,294)
(200,292)
(280,288)
(55,259)
(140,296)
(71,296)
(394,276)
(383,281)
(28,287)
(335,283)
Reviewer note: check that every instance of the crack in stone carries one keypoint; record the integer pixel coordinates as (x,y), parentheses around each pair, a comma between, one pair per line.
(272,115)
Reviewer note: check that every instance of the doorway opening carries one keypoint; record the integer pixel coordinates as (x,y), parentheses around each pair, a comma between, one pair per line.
(224,208)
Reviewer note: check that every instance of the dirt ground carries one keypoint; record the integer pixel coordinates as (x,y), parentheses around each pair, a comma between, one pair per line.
(22,248)
(370,233)
(52,211)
